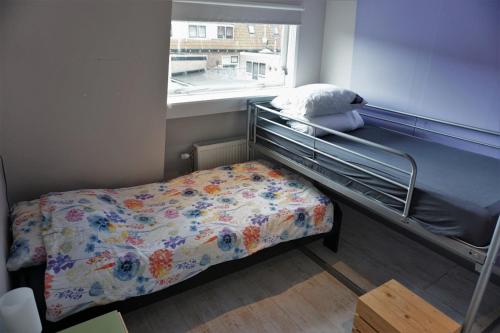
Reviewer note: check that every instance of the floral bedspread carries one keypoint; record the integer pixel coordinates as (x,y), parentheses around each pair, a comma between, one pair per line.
(108,245)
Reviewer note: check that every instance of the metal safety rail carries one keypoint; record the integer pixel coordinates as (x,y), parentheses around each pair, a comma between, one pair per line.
(255,111)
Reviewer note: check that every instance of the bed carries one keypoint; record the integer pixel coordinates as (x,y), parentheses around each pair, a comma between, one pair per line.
(107,248)
(444,201)
(446,196)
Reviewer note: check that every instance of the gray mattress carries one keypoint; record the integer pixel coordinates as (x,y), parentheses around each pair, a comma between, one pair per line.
(457,193)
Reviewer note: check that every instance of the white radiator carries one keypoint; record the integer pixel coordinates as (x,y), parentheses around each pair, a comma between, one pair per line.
(212,154)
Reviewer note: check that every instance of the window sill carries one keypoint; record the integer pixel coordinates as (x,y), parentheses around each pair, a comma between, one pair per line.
(214,103)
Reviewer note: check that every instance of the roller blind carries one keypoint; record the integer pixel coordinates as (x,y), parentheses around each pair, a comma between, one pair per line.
(270,11)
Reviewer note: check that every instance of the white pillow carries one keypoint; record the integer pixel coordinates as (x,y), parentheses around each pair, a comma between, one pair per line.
(315,100)
(342,122)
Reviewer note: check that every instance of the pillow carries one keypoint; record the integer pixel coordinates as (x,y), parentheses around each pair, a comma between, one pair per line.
(27,247)
(316,100)
(342,122)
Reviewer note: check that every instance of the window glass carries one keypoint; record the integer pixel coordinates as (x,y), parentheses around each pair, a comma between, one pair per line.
(206,57)
(262,69)
(193,31)
(202,31)
(221,32)
(229,32)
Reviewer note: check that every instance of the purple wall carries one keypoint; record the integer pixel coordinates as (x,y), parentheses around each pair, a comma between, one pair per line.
(433,58)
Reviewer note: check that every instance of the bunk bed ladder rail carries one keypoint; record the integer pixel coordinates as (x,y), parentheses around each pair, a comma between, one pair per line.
(254,108)
(482,281)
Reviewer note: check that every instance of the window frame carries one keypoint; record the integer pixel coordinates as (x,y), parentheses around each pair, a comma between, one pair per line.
(195,105)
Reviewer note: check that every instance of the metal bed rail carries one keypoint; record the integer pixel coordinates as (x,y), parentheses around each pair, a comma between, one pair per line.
(442,133)
(254,110)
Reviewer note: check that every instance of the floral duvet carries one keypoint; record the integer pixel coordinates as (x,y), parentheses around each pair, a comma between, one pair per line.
(108,245)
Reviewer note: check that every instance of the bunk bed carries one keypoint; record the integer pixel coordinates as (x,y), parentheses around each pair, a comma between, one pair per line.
(447,196)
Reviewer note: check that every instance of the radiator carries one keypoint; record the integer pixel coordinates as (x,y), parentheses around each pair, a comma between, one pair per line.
(212,154)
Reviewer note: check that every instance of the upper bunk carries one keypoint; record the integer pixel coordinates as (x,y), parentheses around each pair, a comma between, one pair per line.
(456,192)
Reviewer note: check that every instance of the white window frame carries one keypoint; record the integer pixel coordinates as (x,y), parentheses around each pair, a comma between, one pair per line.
(184,106)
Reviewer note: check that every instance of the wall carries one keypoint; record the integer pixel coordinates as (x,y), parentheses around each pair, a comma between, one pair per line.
(310,42)
(84,93)
(338,42)
(435,58)
(183,132)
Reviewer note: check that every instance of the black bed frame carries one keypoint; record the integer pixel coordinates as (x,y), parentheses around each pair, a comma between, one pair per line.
(33,277)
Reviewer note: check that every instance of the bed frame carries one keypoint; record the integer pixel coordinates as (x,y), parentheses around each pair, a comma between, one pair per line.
(482,257)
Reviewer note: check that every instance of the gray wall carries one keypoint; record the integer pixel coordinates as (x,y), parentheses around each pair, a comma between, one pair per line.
(84,87)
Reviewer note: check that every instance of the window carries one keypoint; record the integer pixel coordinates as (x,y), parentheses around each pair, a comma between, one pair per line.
(221,32)
(251,29)
(197,31)
(202,31)
(224,32)
(262,69)
(193,31)
(229,32)
(224,58)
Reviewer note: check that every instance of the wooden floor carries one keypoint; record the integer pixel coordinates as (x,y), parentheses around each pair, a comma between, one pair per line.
(371,253)
(288,293)
(293,293)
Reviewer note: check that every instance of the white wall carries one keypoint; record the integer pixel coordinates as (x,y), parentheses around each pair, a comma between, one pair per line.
(84,85)
(338,42)
(310,42)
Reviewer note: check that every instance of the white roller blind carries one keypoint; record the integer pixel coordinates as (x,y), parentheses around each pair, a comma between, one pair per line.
(270,11)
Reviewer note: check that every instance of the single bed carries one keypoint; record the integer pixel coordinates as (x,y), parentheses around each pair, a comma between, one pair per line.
(107,246)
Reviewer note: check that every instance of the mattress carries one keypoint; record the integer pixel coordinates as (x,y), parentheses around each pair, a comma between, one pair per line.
(457,193)
(109,245)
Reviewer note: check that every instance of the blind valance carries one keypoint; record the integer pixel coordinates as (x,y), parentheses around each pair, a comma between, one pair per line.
(270,11)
